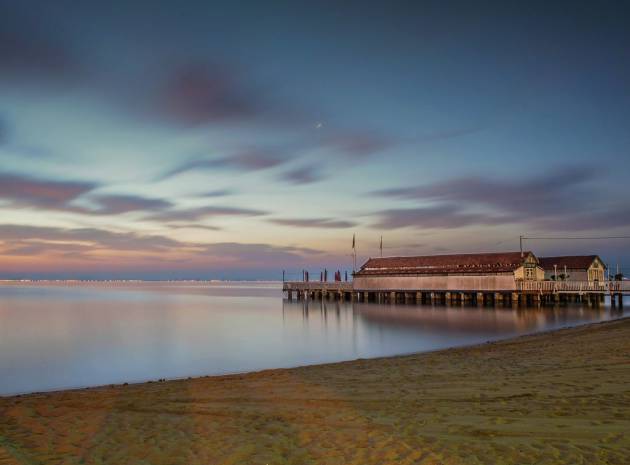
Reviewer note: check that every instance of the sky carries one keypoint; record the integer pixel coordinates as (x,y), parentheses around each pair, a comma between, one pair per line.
(234,140)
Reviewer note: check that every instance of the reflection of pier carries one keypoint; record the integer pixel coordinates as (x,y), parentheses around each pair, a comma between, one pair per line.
(440,319)
(591,293)
(470,320)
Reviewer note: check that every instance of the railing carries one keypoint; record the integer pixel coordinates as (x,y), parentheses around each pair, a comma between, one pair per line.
(574,286)
(317,286)
(579,287)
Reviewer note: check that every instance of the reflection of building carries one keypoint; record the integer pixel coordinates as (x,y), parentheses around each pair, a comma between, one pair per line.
(461,272)
(574,268)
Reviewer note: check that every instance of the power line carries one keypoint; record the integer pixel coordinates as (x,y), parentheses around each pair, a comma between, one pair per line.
(575,238)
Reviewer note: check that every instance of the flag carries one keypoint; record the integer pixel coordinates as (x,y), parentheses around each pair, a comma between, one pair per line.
(353,240)
(381,246)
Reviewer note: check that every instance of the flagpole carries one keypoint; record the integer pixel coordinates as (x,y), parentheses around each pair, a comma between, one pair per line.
(354,253)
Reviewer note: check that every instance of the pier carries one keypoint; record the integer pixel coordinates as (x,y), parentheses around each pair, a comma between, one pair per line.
(522,292)
(498,278)
(337,290)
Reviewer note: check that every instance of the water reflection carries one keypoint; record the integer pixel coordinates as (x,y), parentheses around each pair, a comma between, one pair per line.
(388,329)
(54,336)
(452,319)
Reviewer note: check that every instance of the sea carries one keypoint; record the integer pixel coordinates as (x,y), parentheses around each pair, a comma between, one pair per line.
(61,335)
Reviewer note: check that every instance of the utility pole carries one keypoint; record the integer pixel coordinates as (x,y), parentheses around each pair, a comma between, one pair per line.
(520,240)
(617,270)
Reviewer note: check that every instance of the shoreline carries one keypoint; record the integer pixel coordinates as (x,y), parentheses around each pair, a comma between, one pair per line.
(296,367)
(556,397)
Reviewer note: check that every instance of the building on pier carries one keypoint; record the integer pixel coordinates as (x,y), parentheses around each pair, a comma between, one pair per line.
(574,268)
(457,272)
(476,279)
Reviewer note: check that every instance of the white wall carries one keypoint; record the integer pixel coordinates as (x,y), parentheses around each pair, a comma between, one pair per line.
(503,282)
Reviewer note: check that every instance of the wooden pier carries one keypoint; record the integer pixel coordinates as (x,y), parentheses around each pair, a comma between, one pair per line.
(338,290)
(521,293)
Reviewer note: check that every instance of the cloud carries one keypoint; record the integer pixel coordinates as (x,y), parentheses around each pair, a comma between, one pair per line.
(448,134)
(248,160)
(202,93)
(257,159)
(561,189)
(118,204)
(194,226)
(441,217)
(92,239)
(46,194)
(302,175)
(606,217)
(216,193)
(327,223)
(358,144)
(38,193)
(48,251)
(4,133)
(194,214)
(26,54)
(258,253)
(569,198)
(199,94)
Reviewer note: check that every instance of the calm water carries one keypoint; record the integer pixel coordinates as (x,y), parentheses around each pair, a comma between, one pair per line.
(54,337)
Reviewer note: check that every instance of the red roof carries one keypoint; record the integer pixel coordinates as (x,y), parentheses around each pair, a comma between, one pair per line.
(572,262)
(441,264)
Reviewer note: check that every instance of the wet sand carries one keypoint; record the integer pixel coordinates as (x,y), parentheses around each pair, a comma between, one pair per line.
(557,398)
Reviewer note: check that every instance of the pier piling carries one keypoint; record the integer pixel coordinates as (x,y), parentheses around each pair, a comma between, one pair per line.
(536,293)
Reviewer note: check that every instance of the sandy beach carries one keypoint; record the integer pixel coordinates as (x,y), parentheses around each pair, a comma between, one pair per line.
(556,398)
